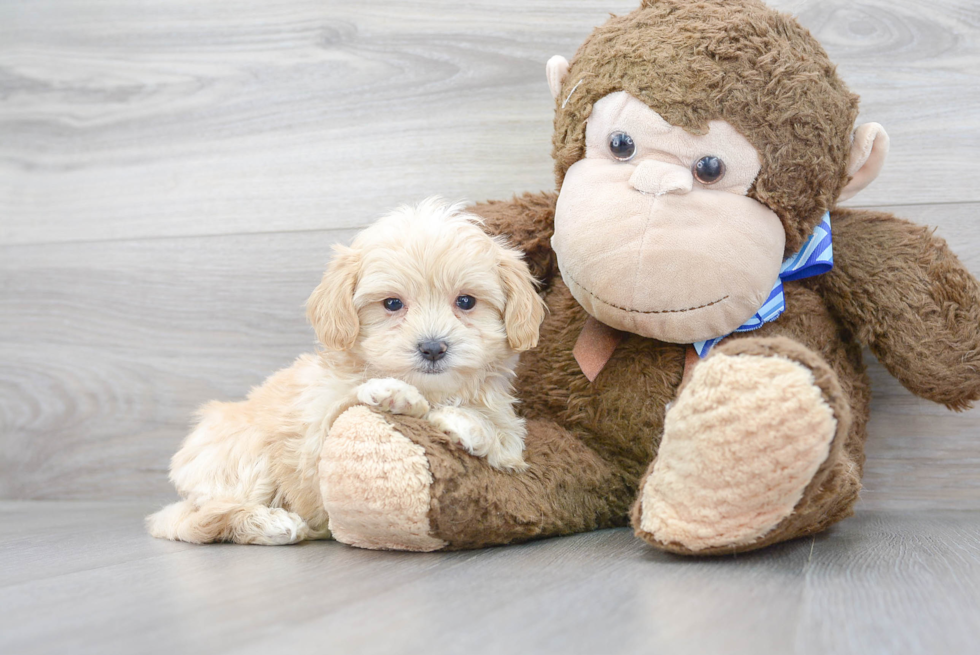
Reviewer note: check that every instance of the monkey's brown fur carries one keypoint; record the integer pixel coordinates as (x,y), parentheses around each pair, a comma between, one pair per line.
(737,61)
(895,287)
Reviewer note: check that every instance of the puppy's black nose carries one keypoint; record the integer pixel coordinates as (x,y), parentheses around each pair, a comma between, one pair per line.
(433,350)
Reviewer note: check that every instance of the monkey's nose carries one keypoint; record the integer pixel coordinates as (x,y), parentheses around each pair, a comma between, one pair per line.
(433,350)
(659,178)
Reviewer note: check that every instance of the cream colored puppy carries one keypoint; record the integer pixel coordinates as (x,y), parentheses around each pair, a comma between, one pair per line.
(422,315)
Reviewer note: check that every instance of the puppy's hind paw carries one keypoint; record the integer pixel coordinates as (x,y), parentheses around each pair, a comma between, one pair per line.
(274,527)
(394,396)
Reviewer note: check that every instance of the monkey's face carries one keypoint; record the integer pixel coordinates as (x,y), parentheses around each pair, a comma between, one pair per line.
(654,232)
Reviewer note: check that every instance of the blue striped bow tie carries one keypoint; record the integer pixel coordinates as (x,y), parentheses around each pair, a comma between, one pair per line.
(815,257)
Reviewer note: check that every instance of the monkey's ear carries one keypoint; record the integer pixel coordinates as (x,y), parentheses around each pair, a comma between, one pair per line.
(868,150)
(557,69)
(330,307)
(524,310)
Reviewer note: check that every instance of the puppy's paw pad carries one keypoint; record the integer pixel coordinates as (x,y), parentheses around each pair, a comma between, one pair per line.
(394,396)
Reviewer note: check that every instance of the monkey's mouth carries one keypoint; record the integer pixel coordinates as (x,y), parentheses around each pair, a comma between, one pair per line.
(630,310)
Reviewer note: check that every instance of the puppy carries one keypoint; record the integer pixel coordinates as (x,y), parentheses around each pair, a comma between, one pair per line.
(422,315)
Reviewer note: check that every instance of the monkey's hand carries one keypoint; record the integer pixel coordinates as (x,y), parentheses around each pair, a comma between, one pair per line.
(901,291)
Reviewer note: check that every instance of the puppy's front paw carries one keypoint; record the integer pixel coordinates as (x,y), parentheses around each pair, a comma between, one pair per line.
(460,427)
(508,460)
(394,396)
(479,438)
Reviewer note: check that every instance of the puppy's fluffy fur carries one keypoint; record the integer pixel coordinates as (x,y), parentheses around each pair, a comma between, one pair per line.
(248,472)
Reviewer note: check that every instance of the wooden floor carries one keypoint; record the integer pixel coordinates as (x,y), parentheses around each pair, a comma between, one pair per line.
(81,577)
(172,176)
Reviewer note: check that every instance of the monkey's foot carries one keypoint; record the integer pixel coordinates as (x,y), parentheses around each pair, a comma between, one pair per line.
(747,445)
(375,485)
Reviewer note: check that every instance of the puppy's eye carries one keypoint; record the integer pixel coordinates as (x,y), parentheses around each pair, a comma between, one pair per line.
(466,302)
(709,170)
(393,304)
(621,146)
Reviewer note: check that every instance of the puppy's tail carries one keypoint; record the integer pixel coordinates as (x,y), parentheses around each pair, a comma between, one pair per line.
(217,520)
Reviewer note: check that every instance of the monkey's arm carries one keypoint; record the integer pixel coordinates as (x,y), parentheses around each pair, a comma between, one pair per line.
(904,294)
(527,222)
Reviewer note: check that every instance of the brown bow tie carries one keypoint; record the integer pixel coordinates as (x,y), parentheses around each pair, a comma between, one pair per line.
(597,342)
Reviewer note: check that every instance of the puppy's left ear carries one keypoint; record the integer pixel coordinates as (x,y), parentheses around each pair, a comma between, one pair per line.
(524,310)
(330,307)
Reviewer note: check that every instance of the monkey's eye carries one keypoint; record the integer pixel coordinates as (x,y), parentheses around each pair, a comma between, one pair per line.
(393,304)
(466,302)
(709,170)
(621,146)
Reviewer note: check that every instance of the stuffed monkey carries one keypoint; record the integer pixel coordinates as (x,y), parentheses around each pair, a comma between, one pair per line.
(699,375)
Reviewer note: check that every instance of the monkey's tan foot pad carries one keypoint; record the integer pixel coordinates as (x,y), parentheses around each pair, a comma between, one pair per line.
(375,485)
(744,438)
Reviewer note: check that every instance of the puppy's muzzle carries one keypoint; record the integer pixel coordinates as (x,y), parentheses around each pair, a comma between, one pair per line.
(433,350)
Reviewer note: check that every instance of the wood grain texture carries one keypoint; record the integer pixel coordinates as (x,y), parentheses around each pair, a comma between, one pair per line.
(126,119)
(172,175)
(84,578)
(107,348)
(184,118)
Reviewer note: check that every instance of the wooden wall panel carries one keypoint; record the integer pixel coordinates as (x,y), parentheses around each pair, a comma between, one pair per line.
(108,347)
(124,119)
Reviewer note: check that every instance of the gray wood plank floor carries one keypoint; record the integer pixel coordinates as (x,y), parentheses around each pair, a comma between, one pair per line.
(83,578)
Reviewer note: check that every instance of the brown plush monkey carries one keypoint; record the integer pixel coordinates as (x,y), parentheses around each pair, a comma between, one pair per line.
(699,148)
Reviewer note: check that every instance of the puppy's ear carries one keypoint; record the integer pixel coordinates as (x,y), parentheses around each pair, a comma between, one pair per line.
(524,310)
(330,307)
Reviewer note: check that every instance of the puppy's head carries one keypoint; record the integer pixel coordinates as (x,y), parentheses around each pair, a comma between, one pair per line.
(424,295)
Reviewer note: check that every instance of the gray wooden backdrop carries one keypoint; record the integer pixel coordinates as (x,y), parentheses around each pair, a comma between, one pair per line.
(173,172)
